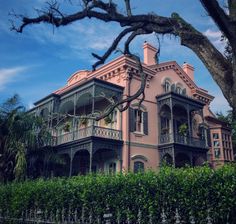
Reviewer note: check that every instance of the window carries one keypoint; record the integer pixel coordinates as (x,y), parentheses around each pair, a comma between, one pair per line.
(112,168)
(165,125)
(138,117)
(167,86)
(138,121)
(178,90)
(216,143)
(215,135)
(217,152)
(138,167)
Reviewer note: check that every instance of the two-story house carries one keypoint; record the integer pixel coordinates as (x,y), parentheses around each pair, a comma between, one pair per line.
(173,124)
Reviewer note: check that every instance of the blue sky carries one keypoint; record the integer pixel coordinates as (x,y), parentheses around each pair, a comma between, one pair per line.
(40,60)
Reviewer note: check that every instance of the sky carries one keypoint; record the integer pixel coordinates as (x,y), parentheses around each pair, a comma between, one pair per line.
(41,59)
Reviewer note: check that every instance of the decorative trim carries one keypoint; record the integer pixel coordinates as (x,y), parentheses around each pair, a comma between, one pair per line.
(136,105)
(136,144)
(140,157)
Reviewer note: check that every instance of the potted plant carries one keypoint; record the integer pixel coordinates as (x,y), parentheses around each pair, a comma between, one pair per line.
(84,121)
(107,120)
(183,129)
(67,127)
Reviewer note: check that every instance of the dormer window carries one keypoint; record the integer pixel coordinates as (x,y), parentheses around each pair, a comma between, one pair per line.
(178,90)
(167,86)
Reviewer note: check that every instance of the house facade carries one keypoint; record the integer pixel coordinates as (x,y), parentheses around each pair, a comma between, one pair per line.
(173,124)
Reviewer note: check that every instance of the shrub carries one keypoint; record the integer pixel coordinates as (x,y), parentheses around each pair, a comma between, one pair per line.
(194,191)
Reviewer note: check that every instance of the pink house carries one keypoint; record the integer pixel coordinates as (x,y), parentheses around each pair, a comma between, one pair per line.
(173,124)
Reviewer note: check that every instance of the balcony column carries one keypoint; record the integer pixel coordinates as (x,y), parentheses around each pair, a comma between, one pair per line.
(93,103)
(171,122)
(74,120)
(189,122)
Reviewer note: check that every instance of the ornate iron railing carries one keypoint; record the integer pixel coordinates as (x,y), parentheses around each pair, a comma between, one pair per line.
(180,139)
(87,132)
(77,216)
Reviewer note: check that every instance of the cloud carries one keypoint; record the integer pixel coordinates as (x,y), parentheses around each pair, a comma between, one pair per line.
(8,75)
(216,38)
(219,104)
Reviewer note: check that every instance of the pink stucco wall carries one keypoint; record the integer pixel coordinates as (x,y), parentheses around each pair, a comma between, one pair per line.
(117,72)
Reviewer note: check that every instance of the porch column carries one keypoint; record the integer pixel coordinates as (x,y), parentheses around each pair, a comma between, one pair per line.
(90,158)
(173,155)
(71,162)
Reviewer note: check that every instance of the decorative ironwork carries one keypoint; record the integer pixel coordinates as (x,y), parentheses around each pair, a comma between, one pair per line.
(180,139)
(90,131)
(87,216)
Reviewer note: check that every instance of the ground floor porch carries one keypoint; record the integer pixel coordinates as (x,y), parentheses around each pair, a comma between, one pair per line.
(92,154)
(180,155)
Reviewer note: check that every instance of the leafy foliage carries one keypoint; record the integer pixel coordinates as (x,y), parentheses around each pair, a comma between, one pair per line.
(191,190)
(20,133)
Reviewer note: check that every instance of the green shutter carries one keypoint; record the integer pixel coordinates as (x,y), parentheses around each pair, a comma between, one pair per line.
(131,120)
(209,137)
(145,123)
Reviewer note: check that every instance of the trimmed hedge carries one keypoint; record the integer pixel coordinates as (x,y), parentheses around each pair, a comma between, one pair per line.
(193,191)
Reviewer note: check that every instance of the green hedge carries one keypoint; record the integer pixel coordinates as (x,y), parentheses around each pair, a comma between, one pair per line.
(191,190)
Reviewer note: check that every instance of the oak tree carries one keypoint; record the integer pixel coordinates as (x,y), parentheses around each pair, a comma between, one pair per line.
(221,66)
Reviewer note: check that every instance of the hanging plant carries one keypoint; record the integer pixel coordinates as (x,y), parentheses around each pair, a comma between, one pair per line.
(67,127)
(183,128)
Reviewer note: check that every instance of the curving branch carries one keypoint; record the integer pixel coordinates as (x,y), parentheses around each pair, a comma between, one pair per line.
(222,20)
(223,71)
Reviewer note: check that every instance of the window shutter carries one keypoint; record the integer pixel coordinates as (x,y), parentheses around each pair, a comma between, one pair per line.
(209,137)
(145,123)
(131,120)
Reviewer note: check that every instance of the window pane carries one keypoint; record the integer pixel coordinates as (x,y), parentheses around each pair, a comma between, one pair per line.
(138,120)
(138,167)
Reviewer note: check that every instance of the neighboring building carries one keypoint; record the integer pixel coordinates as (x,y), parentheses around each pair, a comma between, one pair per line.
(173,123)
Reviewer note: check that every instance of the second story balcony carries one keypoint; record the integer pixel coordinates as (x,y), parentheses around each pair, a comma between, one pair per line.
(181,121)
(90,131)
(172,138)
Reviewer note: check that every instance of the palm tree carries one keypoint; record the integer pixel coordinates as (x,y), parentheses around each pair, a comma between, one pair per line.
(20,132)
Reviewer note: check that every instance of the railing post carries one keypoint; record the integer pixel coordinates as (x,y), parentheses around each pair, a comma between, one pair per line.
(107,216)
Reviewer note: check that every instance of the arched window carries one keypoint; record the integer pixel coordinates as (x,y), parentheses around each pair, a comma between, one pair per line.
(138,166)
(178,90)
(167,86)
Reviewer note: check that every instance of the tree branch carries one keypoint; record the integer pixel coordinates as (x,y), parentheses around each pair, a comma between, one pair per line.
(220,18)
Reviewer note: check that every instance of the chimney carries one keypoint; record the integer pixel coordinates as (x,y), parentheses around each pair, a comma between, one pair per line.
(149,54)
(189,70)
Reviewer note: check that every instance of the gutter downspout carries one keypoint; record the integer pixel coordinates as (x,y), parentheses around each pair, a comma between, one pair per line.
(129,134)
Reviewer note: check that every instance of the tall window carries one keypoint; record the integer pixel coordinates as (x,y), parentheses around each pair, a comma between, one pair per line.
(165,125)
(138,117)
(167,86)
(112,168)
(178,90)
(138,167)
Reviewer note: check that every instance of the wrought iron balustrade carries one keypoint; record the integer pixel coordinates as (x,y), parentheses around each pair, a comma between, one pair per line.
(88,132)
(180,139)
